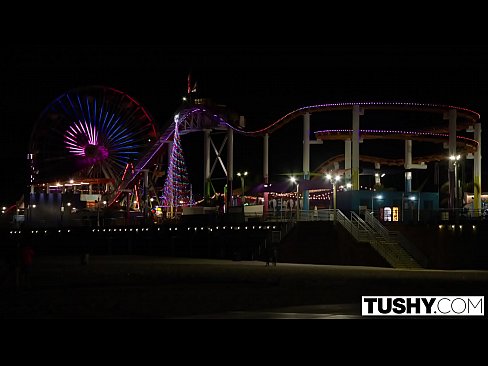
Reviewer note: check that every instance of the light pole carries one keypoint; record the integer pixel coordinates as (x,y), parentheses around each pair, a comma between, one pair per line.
(242,175)
(403,203)
(294,180)
(98,212)
(380,197)
(334,182)
(30,213)
(418,209)
(413,198)
(62,213)
(454,195)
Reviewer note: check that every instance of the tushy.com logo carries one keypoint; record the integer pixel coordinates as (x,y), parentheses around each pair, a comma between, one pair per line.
(423,305)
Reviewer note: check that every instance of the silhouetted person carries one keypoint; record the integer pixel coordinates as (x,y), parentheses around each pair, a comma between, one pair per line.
(85,255)
(271,254)
(274,254)
(266,253)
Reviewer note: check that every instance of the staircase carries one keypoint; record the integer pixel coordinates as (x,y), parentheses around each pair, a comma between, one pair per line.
(406,254)
(392,246)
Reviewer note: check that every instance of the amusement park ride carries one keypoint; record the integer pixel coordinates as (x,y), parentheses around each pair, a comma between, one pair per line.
(97,144)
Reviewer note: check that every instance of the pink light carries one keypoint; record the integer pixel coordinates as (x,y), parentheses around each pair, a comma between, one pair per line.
(79,136)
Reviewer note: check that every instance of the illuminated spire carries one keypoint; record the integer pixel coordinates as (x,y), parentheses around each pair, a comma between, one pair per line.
(177,188)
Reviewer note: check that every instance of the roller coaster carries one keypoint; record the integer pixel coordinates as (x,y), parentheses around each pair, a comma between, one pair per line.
(107,143)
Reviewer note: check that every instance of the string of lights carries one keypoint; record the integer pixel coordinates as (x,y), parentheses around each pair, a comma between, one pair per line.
(177,187)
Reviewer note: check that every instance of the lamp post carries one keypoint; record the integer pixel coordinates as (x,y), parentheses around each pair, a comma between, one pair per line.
(104,211)
(242,175)
(403,204)
(334,181)
(294,180)
(418,209)
(413,198)
(30,213)
(454,195)
(98,212)
(380,197)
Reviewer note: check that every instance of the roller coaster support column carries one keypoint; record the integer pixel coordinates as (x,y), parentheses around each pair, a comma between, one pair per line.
(377,174)
(408,182)
(265,170)
(408,164)
(206,163)
(477,170)
(347,161)
(230,166)
(356,112)
(452,117)
(306,158)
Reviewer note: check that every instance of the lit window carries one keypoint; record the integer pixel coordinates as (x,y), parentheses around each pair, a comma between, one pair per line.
(387,214)
(395,214)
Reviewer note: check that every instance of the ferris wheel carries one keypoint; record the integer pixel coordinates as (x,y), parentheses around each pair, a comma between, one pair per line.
(91,132)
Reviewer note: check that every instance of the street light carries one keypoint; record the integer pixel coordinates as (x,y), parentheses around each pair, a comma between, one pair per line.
(413,198)
(455,159)
(334,181)
(98,212)
(29,212)
(294,180)
(380,197)
(242,175)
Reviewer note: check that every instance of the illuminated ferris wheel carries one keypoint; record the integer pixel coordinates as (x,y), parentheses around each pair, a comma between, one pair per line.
(91,132)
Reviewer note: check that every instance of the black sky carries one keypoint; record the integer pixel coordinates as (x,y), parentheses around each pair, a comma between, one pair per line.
(260,82)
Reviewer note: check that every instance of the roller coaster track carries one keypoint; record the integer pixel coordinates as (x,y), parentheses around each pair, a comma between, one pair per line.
(464,144)
(465,118)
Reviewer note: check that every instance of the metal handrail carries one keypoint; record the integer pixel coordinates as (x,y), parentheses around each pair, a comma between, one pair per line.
(376,225)
(397,238)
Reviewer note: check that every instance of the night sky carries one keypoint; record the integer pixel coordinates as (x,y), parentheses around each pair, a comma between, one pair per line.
(260,82)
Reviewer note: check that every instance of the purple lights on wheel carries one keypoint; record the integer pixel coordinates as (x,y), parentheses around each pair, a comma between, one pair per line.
(91,132)
(80,139)
(95,153)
